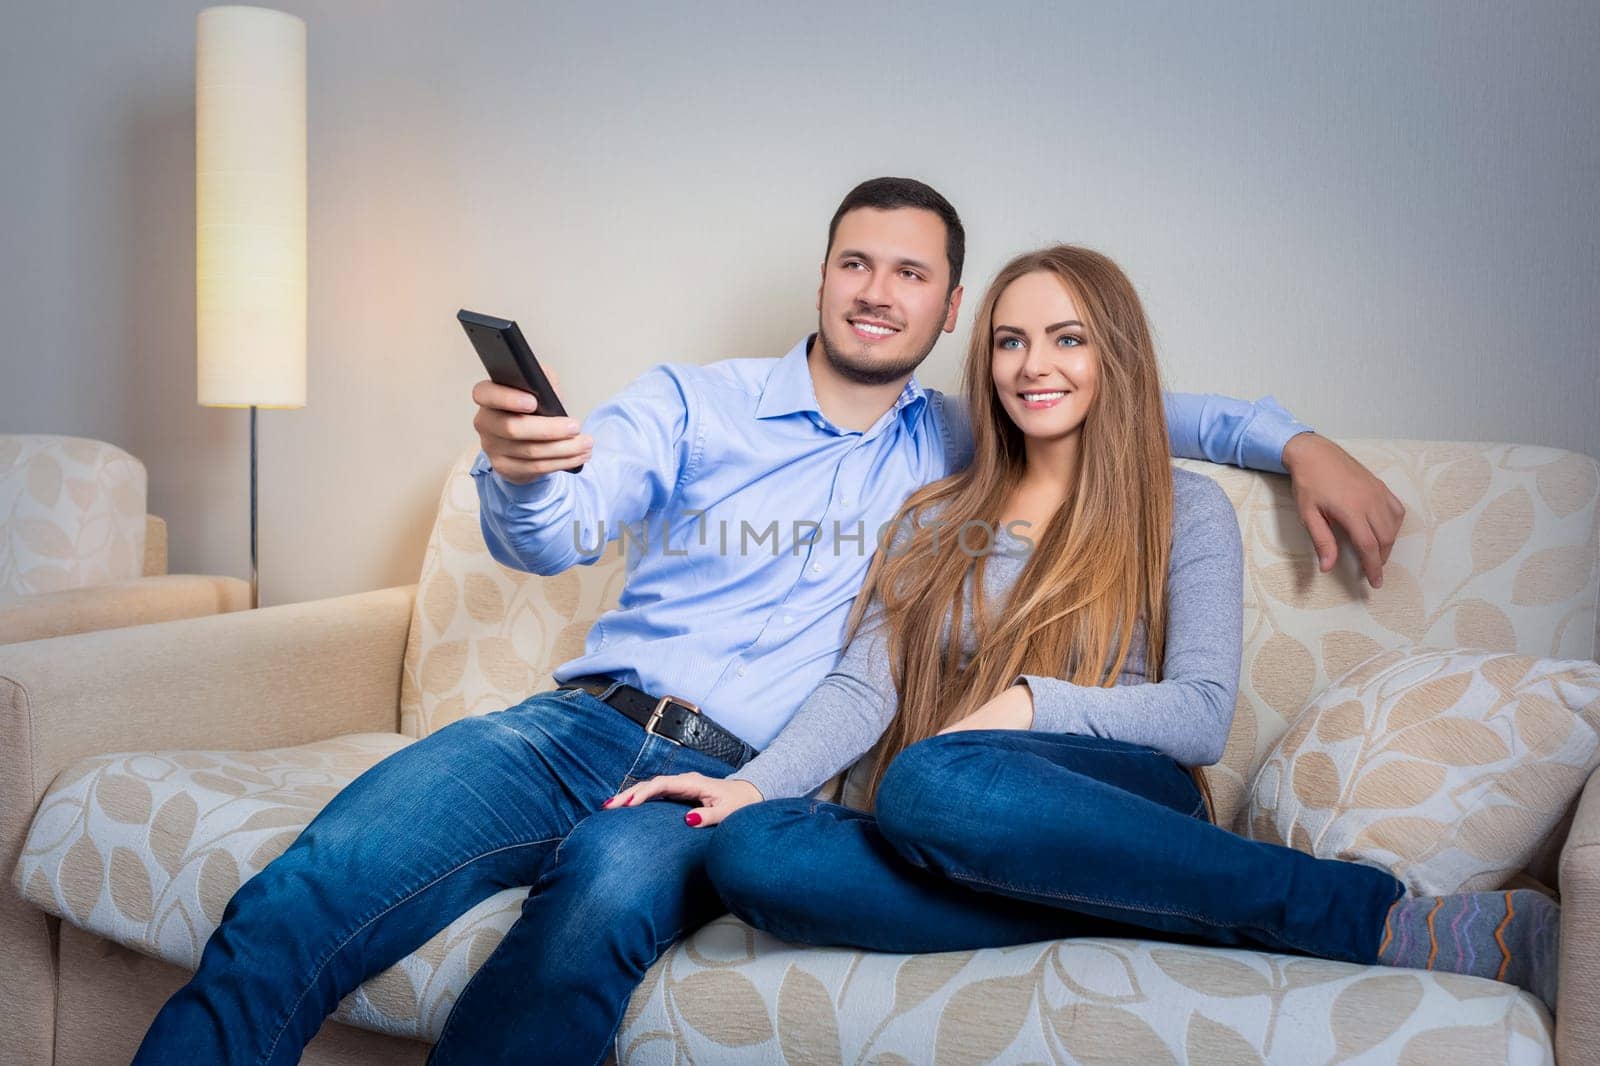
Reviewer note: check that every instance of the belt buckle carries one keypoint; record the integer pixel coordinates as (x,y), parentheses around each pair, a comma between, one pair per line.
(661,706)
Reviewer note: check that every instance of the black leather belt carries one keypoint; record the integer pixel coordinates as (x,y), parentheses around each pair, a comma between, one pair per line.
(676,719)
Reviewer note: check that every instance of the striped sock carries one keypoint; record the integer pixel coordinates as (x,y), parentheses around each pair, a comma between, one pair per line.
(1509,936)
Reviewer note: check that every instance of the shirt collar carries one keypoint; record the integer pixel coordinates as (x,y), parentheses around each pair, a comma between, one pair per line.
(788,390)
(788,387)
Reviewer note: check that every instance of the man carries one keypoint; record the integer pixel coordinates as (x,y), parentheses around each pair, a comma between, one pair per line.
(752,492)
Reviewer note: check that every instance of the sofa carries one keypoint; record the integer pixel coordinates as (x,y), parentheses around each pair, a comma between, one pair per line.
(77,550)
(148,771)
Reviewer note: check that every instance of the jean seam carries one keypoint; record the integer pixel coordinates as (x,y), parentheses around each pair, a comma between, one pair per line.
(616,1029)
(1009,889)
(278,1034)
(611,1045)
(555,856)
(638,757)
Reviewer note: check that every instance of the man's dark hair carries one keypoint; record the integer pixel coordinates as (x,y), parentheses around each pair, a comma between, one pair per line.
(890,193)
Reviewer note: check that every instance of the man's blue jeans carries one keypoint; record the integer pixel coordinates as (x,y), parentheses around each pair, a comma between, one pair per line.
(989,838)
(487,803)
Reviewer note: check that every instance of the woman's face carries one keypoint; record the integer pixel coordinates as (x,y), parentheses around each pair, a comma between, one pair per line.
(1045,369)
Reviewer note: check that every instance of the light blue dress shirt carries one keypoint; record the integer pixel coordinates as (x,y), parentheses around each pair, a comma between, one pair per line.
(748,520)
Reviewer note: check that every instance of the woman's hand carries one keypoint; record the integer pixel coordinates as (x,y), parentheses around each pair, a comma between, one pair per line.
(1012,709)
(717,798)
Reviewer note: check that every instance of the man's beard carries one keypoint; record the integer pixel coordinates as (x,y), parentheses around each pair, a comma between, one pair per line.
(870,371)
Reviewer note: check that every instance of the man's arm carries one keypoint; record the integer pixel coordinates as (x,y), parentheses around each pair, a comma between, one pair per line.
(1330,487)
(1221,429)
(558,519)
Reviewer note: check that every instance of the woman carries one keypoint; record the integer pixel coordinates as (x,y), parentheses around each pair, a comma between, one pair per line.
(1036,778)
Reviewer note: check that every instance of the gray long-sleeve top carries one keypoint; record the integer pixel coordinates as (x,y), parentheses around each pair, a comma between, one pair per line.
(1186,715)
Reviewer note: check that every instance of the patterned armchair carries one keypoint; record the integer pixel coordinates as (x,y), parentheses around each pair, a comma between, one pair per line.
(148,772)
(78,552)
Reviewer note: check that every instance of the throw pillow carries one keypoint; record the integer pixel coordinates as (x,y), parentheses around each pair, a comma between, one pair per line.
(1446,767)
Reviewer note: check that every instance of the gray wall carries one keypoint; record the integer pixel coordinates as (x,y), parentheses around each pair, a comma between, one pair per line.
(1383,214)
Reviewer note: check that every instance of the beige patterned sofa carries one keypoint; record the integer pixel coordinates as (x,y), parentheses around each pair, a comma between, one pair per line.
(77,550)
(148,771)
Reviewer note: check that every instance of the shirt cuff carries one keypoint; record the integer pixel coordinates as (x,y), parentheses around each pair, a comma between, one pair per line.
(1053,711)
(1268,434)
(751,772)
(535,491)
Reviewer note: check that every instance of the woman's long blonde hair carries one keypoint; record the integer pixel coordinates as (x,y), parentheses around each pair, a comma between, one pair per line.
(1101,563)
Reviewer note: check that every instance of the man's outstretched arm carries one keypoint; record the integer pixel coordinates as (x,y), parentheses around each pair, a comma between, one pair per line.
(1220,429)
(558,518)
(1330,487)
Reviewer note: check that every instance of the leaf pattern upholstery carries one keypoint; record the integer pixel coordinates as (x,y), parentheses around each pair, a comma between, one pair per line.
(734,995)
(72,514)
(1499,551)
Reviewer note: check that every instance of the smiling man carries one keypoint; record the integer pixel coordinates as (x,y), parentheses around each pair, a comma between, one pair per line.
(877,290)
(715,643)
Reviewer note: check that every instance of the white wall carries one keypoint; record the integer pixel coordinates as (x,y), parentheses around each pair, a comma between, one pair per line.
(1383,214)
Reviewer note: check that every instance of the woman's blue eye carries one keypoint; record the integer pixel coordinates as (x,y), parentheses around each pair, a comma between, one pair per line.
(1069,337)
(1005,342)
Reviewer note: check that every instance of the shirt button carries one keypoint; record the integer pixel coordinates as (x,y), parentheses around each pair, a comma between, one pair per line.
(787,619)
(844,501)
(816,568)
(741,671)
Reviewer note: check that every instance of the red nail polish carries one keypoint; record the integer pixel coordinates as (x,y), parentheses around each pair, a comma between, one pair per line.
(607,803)
(693,818)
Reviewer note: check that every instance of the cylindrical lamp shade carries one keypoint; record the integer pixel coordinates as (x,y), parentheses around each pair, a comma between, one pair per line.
(250,207)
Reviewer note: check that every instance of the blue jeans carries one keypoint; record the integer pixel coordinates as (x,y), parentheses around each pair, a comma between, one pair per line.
(487,803)
(988,838)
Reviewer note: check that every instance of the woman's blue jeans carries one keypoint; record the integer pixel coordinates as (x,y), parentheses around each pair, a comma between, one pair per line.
(989,838)
(487,803)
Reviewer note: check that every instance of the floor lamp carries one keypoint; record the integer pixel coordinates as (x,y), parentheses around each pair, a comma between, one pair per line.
(250,216)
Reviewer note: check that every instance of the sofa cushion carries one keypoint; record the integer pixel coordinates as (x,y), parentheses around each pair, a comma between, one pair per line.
(1497,551)
(730,994)
(147,848)
(1444,766)
(484,637)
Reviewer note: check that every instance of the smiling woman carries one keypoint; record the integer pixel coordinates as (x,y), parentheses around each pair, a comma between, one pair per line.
(1045,716)
(1070,438)
(1044,367)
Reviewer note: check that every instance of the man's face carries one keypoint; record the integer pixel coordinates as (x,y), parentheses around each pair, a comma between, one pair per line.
(883,301)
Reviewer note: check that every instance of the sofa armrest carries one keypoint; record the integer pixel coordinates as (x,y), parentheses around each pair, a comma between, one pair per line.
(243,680)
(155,545)
(1577,1014)
(248,679)
(134,602)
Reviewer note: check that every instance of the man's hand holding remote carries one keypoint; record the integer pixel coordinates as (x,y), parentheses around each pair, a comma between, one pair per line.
(523,445)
